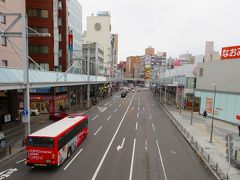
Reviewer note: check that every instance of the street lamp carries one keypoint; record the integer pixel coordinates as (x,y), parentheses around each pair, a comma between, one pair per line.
(213,112)
(193,84)
(165,93)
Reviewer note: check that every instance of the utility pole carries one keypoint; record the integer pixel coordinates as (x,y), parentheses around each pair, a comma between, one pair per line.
(26,92)
(88,76)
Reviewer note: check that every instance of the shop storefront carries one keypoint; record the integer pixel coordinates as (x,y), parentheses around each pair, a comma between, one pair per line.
(46,103)
(227,106)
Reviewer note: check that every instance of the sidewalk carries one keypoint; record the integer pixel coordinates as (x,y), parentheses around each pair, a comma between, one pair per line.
(199,135)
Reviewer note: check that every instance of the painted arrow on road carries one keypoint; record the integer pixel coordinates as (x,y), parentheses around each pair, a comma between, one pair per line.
(102,109)
(121,146)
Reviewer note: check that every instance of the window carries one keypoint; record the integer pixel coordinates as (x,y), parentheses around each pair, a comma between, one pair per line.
(41,13)
(40,142)
(4,41)
(2,18)
(4,63)
(36,49)
(201,72)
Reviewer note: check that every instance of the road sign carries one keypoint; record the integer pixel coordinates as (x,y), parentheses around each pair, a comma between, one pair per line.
(25,112)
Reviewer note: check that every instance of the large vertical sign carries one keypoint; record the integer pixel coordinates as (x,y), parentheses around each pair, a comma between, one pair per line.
(70,41)
(232,52)
(209,102)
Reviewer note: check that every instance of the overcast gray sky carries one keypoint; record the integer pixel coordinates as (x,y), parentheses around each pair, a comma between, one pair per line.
(173,26)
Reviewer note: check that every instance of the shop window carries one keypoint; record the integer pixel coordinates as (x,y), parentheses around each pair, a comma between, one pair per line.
(4,41)
(4,63)
(201,72)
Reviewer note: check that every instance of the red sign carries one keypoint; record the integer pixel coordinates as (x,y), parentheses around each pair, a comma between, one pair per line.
(177,62)
(70,39)
(232,52)
(238,117)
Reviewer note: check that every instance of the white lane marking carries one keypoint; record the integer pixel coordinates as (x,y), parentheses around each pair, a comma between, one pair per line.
(109,117)
(132,108)
(136,125)
(73,159)
(150,116)
(143,109)
(121,146)
(95,117)
(138,108)
(146,145)
(110,144)
(137,115)
(97,131)
(160,155)
(21,161)
(7,173)
(131,168)
(153,127)
(115,110)
(119,105)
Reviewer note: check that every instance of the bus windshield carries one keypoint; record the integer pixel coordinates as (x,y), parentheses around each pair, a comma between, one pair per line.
(40,142)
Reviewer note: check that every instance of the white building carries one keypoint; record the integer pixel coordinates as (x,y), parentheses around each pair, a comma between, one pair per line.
(99,30)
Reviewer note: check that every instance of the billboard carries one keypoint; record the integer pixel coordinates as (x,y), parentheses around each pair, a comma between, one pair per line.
(209,102)
(232,52)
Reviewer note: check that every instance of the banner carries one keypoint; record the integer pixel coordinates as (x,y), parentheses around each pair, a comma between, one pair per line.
(209,105)
(232,52)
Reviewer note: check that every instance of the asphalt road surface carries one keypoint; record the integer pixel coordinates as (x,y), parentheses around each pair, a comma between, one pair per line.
(129,139)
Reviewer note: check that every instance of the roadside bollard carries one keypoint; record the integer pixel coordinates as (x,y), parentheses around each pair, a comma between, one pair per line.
(10,149)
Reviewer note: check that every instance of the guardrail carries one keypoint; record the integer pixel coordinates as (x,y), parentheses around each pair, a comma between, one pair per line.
(208,160)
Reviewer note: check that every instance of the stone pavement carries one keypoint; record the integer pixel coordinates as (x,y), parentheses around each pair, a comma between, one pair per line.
(201,129)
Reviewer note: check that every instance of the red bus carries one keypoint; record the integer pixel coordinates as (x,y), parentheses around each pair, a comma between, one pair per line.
(52,145)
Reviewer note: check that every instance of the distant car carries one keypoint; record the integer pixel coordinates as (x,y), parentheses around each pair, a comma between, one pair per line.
(34,112)
(124,94)
(58,116)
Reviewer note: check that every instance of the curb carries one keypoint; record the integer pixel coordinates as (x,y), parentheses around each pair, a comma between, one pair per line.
(205,162)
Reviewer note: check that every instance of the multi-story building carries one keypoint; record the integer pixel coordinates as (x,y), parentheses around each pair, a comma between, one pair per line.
(96,58)
(149,51)
(75,28)
(219,81)
(10,58)
(99,30)
(131,63)
(62,19)
(48,16)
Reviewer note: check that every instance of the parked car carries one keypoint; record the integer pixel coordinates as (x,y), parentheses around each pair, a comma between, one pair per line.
(57,116)
(34,112)
(124,94)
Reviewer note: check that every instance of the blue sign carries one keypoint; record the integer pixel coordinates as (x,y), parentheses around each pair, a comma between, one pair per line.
(25,112)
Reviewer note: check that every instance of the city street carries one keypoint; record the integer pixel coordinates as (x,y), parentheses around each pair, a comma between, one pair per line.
(129,138)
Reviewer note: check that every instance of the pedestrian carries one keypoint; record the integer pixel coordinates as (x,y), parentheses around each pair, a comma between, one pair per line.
(204,113)
(239,129)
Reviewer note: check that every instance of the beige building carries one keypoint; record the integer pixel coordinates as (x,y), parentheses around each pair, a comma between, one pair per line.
(149,51)
(210,54)
(9,57)
(99,30)
(132,66)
